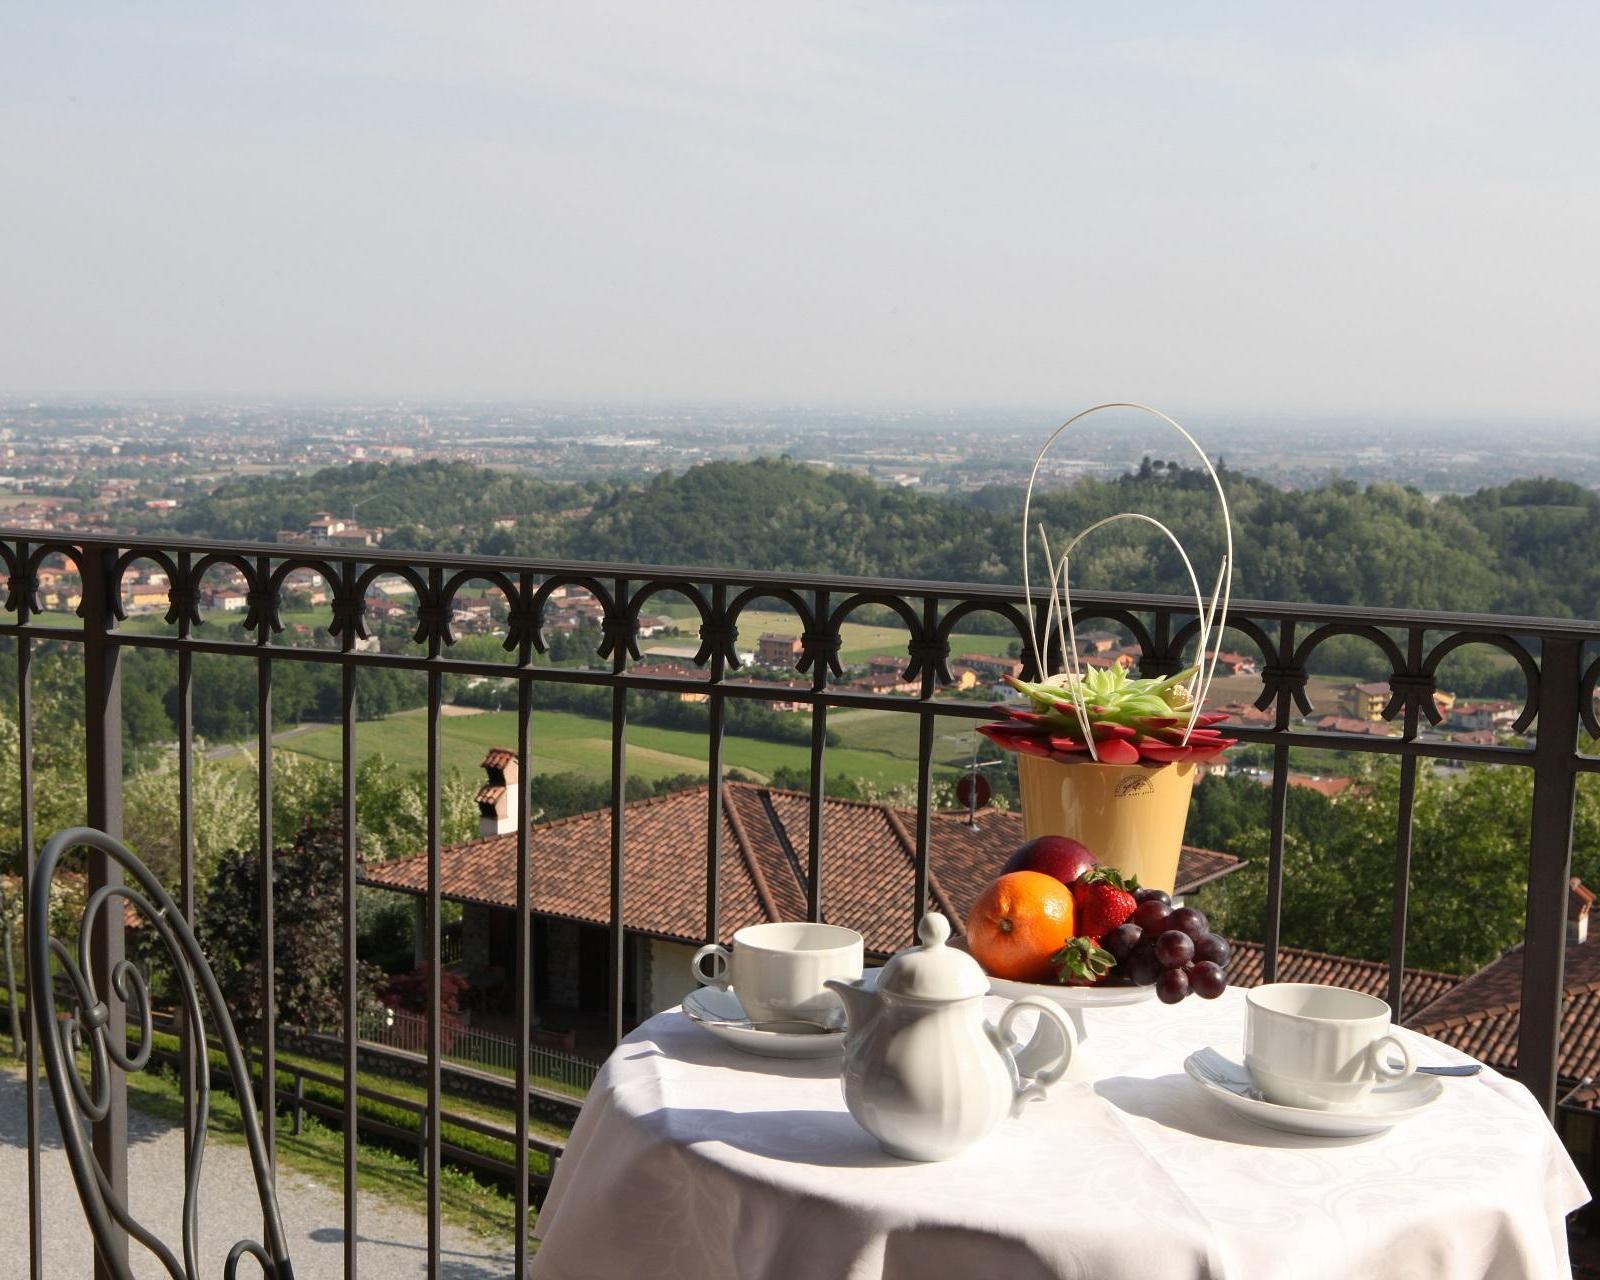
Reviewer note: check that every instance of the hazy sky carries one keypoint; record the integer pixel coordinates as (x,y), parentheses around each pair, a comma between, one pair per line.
(1321,208)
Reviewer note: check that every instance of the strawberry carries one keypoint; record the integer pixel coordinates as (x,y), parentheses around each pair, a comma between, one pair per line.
(1082,962)
(1103,901)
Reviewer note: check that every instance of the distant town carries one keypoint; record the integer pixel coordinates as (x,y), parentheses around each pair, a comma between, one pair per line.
(89,465)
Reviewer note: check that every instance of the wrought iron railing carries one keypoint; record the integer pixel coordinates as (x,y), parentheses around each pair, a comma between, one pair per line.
(1558,659)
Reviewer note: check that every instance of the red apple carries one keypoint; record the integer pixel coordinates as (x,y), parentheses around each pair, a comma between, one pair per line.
(1058,856)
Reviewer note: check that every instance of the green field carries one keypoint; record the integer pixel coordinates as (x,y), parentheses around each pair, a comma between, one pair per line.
(568,743)
(859,643)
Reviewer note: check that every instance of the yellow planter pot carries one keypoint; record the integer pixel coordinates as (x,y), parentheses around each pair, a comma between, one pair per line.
(1131,817)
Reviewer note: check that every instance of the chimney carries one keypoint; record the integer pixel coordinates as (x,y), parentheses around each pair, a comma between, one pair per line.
(497,798)
(1579,900)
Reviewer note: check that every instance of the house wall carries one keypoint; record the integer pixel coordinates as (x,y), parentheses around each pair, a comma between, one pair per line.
(475,936)
(561,969)
(664,977)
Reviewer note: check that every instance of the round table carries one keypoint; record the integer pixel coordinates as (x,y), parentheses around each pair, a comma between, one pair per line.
(694,1160)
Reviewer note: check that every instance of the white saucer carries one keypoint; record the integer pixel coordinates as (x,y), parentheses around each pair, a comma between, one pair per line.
(1073,997)
(720,1013)
(1230,1084)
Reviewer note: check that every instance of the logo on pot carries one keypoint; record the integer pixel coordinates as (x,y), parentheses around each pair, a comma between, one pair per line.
(1134,785)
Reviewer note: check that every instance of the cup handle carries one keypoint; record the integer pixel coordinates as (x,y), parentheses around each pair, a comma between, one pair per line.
(1379,1057)
(718,977)
(1036,1062)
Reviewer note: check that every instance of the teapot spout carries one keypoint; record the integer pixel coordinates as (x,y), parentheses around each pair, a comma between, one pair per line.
(860,1005)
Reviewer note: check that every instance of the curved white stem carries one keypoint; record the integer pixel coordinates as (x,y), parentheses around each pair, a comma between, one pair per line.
(1212,622)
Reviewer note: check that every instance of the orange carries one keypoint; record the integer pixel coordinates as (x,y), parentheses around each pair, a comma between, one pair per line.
(1019,922)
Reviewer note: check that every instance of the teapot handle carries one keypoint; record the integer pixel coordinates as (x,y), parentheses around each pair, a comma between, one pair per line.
(1042,1066)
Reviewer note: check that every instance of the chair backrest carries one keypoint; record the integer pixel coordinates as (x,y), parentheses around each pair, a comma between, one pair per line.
(63,1035)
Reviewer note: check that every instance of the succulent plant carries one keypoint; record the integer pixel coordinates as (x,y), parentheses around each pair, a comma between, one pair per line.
(1130,721)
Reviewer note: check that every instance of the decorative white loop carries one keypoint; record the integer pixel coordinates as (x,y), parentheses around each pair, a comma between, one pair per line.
(1058,616)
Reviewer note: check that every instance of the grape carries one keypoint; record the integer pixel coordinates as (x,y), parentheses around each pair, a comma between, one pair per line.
(1121,941)
(1172,986)
(1148,915)
(1208,980)
(1153,895)
(1213,947)
(1174,949)
(1192,922)
(1142,967)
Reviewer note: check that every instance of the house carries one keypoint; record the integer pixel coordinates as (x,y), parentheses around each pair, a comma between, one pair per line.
(1418,987)
(1476,717)
(991,666)
(962,678)
(1096,642)
(1333,788)
(1235,664)
(145,597)
(886,685)
(675,671)
(885,674)
(1343,724)
(1482,1015)
(868,882)
(774,650)
(1365,701)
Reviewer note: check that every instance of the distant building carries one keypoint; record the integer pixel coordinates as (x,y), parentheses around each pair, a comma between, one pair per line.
(1344,724)
(1235,664)
(871,857)
(991,666)
(1366,701)
(773,650)
(1478,716)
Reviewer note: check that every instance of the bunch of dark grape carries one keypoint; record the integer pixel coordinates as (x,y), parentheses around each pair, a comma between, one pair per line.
(1174,950)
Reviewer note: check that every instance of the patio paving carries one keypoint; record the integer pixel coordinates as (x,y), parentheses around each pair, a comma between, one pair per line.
(393,1240)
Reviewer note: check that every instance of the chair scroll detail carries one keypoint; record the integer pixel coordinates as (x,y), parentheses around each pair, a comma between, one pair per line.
(66,1033)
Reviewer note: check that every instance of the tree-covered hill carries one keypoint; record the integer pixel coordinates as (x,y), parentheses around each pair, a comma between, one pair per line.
(416,501)
(1525,547)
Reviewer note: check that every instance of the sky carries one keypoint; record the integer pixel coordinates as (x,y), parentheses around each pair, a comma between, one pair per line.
(1350,208)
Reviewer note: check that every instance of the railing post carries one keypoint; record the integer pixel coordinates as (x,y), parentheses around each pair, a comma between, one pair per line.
(102,686)
(1544,949)
(299,1099)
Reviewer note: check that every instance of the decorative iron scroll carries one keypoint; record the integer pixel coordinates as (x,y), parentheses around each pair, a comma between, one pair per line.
(71,1032)
(1167,632)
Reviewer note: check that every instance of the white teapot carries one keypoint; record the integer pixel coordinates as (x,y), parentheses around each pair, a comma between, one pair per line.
(924,1073)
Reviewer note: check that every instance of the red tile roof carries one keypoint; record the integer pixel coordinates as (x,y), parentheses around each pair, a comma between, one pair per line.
(1333,788)
(1482,1016)
(1418,987)
(868,864)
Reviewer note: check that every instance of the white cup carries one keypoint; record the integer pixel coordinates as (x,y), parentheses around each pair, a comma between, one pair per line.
(1307,1045)
(777,970)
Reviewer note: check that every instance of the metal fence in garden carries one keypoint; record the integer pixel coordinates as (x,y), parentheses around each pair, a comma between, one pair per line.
(399,1029)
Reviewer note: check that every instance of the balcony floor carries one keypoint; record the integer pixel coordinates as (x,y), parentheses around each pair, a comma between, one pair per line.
(393,1239)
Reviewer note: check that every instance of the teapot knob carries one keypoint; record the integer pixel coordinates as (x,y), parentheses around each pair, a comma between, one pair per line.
(933,930)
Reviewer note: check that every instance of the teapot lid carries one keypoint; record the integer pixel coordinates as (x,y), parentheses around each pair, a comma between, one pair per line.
(934,971)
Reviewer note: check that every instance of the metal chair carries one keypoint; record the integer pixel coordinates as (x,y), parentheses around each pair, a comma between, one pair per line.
(65,1034)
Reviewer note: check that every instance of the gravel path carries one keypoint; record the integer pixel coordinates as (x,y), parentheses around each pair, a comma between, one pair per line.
(393,1240)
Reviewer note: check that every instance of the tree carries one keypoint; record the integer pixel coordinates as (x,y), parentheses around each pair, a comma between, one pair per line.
(1469,868)
(308,969)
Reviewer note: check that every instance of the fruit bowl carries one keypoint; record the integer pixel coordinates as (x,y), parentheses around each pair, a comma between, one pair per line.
(1107,997)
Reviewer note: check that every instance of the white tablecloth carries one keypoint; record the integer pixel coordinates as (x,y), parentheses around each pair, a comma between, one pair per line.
(693,1160)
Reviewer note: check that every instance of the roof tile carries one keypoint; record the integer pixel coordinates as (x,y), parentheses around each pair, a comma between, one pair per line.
(869,870)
